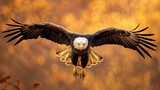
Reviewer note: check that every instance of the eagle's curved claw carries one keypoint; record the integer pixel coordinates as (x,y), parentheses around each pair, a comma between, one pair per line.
(75,72)
(83,74)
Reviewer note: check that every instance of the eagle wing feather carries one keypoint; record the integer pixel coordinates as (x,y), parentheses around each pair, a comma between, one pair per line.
(129,39)
(49,31)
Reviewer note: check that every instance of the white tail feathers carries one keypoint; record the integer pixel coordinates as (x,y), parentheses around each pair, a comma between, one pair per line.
(93,58)
(65,56)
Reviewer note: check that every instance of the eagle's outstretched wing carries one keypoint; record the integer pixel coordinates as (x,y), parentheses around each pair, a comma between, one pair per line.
(49,31)
(129,39)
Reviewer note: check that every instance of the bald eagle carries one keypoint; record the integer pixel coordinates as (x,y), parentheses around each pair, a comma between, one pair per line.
(79,52)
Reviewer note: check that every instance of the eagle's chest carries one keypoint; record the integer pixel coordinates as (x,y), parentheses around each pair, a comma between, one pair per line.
(80,52)
(79,62)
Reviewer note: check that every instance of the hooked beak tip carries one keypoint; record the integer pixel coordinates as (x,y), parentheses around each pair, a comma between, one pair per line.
(81,47)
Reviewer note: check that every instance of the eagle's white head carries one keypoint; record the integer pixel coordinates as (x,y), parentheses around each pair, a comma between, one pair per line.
(80,43)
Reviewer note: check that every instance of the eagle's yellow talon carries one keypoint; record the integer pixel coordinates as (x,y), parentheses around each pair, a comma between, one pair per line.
(75,72)
(83,74)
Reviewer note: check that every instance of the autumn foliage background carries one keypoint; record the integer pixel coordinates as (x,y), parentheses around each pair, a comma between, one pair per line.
(122,69)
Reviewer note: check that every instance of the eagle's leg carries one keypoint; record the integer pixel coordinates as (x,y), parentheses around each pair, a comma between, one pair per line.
(75,72)
(83,74)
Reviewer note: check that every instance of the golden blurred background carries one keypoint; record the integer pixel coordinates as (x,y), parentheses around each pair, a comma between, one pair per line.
(122,69)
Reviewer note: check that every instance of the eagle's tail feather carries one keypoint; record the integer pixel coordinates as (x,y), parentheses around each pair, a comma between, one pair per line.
(93,58)
(65,56)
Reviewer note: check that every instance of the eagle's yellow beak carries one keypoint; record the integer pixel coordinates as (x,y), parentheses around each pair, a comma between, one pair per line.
(81,47)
